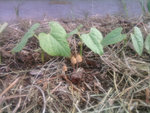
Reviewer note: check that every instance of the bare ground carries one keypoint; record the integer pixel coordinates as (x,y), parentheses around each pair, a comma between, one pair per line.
(116,82)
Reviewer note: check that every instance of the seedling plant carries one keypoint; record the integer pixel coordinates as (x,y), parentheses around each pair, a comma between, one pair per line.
(55,42)
(138,41)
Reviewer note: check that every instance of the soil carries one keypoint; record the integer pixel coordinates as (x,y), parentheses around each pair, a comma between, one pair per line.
(114,79)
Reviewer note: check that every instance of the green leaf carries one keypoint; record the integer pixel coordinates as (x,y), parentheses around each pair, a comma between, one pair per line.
(54,46)
(75,31)
(137,40)
(55,43)
(25,38)
(93,41)
(2,27)
(148,5)
(113,37)
(147,43)
(57,30)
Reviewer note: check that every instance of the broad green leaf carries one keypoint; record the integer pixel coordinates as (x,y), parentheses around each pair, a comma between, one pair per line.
(57,30)
(25,38)
(93,41)
(2,27)
(148,5)
(137,40)
(54,46)
(147,43)
(75,31)
(113,37)
(55,43)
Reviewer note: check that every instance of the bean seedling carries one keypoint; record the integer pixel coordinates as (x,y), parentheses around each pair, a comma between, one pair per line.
(138,41)
(55,42)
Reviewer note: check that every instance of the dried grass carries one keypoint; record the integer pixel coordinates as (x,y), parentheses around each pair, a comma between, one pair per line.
(115,82)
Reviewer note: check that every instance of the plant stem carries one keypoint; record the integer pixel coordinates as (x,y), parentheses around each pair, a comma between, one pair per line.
(42,52)
(35,36)
(81,48)
(81,45)
(124,46)
(42,56)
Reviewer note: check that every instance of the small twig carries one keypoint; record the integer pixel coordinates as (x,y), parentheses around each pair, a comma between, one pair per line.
(76,106)
(147,94)
(44,98)
(18,105)
(9,87)
(127,89)
(56,88)
(10,97)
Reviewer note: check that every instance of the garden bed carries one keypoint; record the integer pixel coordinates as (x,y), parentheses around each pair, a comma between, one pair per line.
(117,81)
